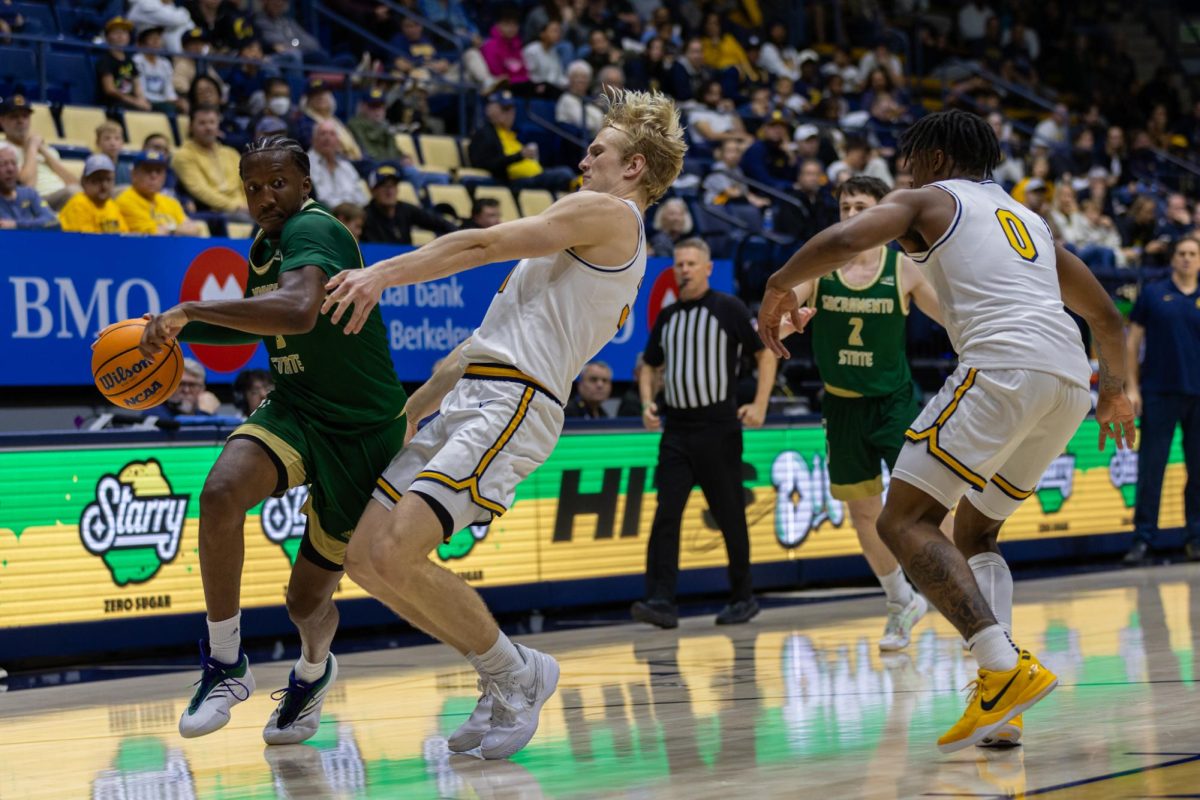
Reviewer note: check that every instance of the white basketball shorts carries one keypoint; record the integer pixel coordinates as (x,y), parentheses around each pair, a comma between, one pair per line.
(995,431)
(496,426)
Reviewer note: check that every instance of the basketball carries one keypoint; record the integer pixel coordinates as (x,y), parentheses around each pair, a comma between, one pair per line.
(126,377)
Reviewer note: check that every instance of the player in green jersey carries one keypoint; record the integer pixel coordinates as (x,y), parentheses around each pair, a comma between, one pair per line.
(334,421)
(858,315)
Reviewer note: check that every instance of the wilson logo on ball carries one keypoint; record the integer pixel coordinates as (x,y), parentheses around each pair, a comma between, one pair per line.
(116,377)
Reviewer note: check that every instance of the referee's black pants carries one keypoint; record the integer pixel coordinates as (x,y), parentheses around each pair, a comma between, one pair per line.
(709,455)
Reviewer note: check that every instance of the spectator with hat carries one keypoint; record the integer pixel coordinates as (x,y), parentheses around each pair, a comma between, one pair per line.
(93,209)
(390,220)
(172,19)
(146,209)
(116,74)
(208,170)
(158,73)
(370,128)
(319,105)
(771,159)
(20,206)
(192,64)
(38,164)
(334,178)
(496,148)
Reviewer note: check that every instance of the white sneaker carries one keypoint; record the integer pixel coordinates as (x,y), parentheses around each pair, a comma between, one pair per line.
(470,734)
(298,714)
(900,622)
(220,688)
(517,701)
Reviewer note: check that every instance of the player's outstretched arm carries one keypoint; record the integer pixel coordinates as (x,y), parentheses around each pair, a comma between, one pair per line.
(581,220)
(292,308)
(892,219)
(1084,295)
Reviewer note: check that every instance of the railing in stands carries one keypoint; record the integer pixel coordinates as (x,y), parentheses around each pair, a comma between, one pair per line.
(460,89)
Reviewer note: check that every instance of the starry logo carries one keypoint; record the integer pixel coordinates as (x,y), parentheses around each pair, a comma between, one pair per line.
(135,523)
(460,544)
(1122,473)
(802,501)
(283,520)
(1056,484)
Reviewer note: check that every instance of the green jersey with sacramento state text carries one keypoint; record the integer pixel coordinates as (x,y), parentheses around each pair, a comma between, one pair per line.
(337,381)
(859,332)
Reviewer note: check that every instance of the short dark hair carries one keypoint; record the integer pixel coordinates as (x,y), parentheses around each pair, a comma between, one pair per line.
(863,184)
(1191,237)
(276,144)
(150,136)
(965,138)
(857,143)
(483,202)
(345,211)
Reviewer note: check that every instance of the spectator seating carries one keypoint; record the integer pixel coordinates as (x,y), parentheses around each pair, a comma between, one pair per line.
(18,66)
(444,153)
(502,195)
(140,124)
(79,125)
(534,201)
(452,195)
(407,145)
(71,77)
(42,123)
(182,123)
(407,193)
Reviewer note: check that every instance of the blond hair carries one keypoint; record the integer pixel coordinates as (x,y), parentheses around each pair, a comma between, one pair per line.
(108,126)
(650,120)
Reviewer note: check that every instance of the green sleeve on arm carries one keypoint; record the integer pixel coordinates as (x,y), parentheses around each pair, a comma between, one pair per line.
(207,333)
(318,240)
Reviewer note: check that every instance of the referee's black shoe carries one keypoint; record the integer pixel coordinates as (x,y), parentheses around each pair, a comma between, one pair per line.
(738,612)
(656,612)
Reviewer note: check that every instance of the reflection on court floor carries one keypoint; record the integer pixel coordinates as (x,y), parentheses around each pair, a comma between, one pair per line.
(799,703)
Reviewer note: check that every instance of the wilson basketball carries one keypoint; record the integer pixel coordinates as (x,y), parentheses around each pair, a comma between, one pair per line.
(126,377)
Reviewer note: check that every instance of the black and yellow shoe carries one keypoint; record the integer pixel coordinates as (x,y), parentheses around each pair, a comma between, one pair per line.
(996,698)
(1007,735)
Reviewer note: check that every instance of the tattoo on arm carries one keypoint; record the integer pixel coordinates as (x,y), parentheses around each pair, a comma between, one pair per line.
(941,573)
(1109,383)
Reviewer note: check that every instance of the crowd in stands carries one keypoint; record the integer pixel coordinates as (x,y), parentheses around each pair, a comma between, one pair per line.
(781,104)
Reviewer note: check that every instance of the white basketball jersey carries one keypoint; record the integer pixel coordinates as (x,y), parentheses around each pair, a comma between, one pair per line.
(995,274)
(553,313)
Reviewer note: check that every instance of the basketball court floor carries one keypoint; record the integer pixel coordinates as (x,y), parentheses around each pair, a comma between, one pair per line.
(797,704)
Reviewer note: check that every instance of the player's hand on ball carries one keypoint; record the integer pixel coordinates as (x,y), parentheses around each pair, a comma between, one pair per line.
(161,329)
(359,288)
(1115,415)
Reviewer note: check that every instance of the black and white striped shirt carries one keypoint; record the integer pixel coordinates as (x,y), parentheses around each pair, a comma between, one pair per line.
(699,344)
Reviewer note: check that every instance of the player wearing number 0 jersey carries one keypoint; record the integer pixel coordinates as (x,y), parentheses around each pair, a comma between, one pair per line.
(1017,397)
(500,397)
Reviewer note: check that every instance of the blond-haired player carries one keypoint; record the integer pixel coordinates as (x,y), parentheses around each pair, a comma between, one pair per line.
(583,260)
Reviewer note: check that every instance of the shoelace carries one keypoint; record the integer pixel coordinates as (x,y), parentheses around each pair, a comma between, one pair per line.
(290,698)
(975,687)
(213,675)
(503,710)
(892,626)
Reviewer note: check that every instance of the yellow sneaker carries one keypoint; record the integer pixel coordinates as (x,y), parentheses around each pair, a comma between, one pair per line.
(996,698)
(1007,735)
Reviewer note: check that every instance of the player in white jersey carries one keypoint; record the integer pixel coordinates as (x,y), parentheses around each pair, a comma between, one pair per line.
(583,262)
(1017,397)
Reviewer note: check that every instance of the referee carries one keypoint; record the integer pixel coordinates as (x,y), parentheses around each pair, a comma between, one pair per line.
(695,348)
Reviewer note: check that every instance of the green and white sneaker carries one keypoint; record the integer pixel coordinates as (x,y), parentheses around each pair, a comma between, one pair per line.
(900,622)
(298,714)
(220,688)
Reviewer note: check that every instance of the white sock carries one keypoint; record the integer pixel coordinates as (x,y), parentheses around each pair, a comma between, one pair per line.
(309,672)
(993,650)
(502,659)
(225,638)
(996,584)
(473,657)
(896,587)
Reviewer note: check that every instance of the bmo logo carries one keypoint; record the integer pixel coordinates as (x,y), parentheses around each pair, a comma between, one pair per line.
(217,274)
(76,308)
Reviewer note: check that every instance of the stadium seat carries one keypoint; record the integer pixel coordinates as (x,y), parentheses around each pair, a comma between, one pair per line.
(441,152)
(182,123)
(408,146)
(452,195)
(39,18)
(534,201)
(508,206)
(79,125)
(407,193)
(421,236)
(73,74)
(19,66)
(42,122)
(239,230)
(140,124)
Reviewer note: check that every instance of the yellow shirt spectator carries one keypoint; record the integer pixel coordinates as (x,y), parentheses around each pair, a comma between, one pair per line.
(82,215)
(150,215)
(207,169)
(93,209)
(526,167)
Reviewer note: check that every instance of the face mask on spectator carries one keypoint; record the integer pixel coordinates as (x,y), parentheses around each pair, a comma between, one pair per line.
(279,106)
